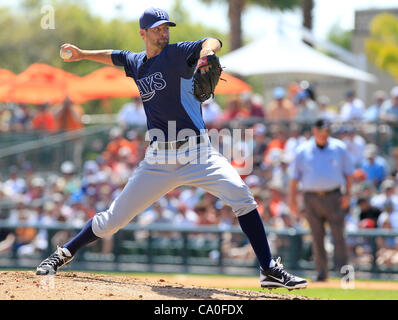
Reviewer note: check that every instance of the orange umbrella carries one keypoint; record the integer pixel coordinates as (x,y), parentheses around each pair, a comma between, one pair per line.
(6,76)
(41,83)
(232,85)
(107,82)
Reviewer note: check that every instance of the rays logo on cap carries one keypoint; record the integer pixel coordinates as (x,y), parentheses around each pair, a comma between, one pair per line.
(161,14)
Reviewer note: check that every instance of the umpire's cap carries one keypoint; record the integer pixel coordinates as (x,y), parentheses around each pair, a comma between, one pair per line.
(322,123)
(153,17)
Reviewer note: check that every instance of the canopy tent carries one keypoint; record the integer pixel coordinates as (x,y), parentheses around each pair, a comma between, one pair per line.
(106,82)
(40,83)
(6,76)
(284,55)
(110,82)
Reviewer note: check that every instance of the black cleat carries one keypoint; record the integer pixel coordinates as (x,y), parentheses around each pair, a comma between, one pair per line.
(50,265)
(277,277)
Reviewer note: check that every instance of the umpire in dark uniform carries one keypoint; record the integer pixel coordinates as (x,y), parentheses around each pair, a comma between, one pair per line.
(323,168)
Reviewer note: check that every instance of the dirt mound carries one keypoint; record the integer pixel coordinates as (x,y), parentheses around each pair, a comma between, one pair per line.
(21,285)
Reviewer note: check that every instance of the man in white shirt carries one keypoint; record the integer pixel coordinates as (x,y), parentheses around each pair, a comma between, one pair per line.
(353,108)
(211,111)
(132,114)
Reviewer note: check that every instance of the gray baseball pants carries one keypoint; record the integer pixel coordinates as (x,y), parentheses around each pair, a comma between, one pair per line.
(157,174)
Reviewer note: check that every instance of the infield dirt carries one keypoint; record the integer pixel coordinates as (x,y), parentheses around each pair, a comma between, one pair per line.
(25,285)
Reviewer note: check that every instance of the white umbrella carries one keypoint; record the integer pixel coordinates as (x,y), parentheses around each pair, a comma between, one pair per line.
(283,55)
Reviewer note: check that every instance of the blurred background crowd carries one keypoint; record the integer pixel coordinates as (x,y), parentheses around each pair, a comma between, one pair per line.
(73,194)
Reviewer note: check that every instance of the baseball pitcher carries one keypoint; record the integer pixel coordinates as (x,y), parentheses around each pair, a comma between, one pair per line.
(173,80)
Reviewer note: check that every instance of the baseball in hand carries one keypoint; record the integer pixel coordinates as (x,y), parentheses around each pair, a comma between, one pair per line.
(65,54)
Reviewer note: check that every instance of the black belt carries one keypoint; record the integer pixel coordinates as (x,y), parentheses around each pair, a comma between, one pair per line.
(323,193)
(174,145)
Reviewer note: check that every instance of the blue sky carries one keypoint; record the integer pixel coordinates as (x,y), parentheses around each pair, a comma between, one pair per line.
(256,21)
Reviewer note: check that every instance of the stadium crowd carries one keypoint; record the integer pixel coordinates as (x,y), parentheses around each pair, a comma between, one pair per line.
(74,196)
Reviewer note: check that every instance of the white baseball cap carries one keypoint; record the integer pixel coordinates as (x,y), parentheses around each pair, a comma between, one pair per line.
(394,92)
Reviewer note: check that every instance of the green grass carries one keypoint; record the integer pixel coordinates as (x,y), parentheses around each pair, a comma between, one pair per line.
(338,294)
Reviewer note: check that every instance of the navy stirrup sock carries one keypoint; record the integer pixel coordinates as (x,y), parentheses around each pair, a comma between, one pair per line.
(84,237)
(253,227)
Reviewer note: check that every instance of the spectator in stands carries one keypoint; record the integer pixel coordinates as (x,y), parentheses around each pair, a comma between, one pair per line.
(390,115)
(294,140)
(68,116)
(226,216)
(5,118)
(191,196)
(387,253)
(235,109)
(389,213)
(326,111)
(44,119)
(277,199)
(7,239)
(387,195)
(390,107)
(368,211)
(211,112)
(353,108)
(372,113)
(374,165)
(116,143)
(122,169)
(25,236)
(15,185)
(206,215)
(281,108)
(261,197)
(306,86)
(359,179)
(355,144)
(36,188)
(279,138)
(307,109)
(132,114)
(70,180)
(22,118)
(162,215)
(259,143)
(388,246)
(185,217)
(394,162)
(255,105)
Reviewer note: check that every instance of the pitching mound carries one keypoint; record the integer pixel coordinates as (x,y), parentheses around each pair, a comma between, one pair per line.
(21,285)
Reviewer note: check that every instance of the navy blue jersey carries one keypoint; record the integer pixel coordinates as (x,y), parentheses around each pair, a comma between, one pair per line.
(165,85)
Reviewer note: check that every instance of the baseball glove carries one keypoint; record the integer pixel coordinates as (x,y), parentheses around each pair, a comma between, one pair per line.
(204,84)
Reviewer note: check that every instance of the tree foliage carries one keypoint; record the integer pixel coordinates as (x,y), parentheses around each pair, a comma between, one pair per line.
(237,7)
(23,41)
(340,36)
(272,4)
(382,46)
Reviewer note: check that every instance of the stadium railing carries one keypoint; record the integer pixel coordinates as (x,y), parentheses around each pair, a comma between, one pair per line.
(199,249)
